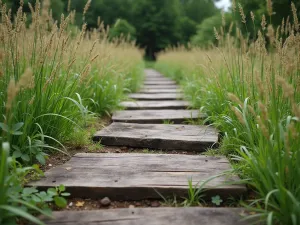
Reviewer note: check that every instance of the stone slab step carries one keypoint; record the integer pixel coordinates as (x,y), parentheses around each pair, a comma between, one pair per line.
(151,216)
(158,136)
(166,104)
(155,96)
(132,176)
(165,86)
(155,82)
(155,91)
(156,116)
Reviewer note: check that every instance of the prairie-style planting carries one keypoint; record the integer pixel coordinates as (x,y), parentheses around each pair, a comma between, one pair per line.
(249,87)
(54,79)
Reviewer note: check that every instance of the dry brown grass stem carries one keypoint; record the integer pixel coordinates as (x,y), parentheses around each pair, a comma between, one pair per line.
(69,5)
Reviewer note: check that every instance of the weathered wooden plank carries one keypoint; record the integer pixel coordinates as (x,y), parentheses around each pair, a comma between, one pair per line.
(156,116)
(157,79)
(143,90)
(151,216)
(159,82)
(140,176)
(155,96)
(165,86)
(167,104)
(158,136)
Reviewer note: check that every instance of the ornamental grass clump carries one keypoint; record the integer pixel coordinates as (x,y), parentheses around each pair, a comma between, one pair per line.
(249,87)
(54,77)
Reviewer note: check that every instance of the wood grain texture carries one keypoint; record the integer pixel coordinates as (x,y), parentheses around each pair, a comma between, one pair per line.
(155,96)
(151,216)
(140,176)
(166,104)
(158,136)
(156,116)
(155,91)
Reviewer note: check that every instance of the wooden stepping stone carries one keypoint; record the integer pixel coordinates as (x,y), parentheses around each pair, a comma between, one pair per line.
(156,116)
(151,216)
(158,136)
(158,96)
(159,82)
(165,86)
(155,91)
(122,176)
(166,104)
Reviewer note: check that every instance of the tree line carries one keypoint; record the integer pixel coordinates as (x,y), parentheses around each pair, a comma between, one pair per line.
(157,24)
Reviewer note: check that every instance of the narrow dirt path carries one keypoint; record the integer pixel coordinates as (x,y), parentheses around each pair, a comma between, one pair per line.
(139,176)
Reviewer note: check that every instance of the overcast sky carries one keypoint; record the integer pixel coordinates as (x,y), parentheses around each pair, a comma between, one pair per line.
(225,4)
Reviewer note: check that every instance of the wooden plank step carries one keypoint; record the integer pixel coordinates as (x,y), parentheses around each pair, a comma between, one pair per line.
(143,90)
(157,96)
(151,216)
(157,79)
(156,116)
(155,82)
(158,136)
(167,104)
(165,86)
(133,176)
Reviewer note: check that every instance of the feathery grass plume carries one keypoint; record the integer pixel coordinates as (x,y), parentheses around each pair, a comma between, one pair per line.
(232,97)
(269,7)
(243,16)
(238,114)
(223,19)
(263,127)
(69,5)
(287,23)
(282,26)
(270,34)
(12,91)
(252,16)
(26,80)
(233,5)
(217,36)
(263,110)
(263,22)
(295,17)
(86,7)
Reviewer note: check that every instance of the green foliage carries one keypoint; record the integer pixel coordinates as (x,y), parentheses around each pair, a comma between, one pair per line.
(216,200)
(198,10)
(249,90)
(17,201)
(122,28)
(205,36)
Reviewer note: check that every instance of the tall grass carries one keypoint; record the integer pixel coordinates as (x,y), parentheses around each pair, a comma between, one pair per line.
(250,90)
(54,77)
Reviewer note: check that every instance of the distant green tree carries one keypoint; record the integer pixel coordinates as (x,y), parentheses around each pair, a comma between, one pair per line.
(157,23)
(188,28)
(122,28)
(198,10)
